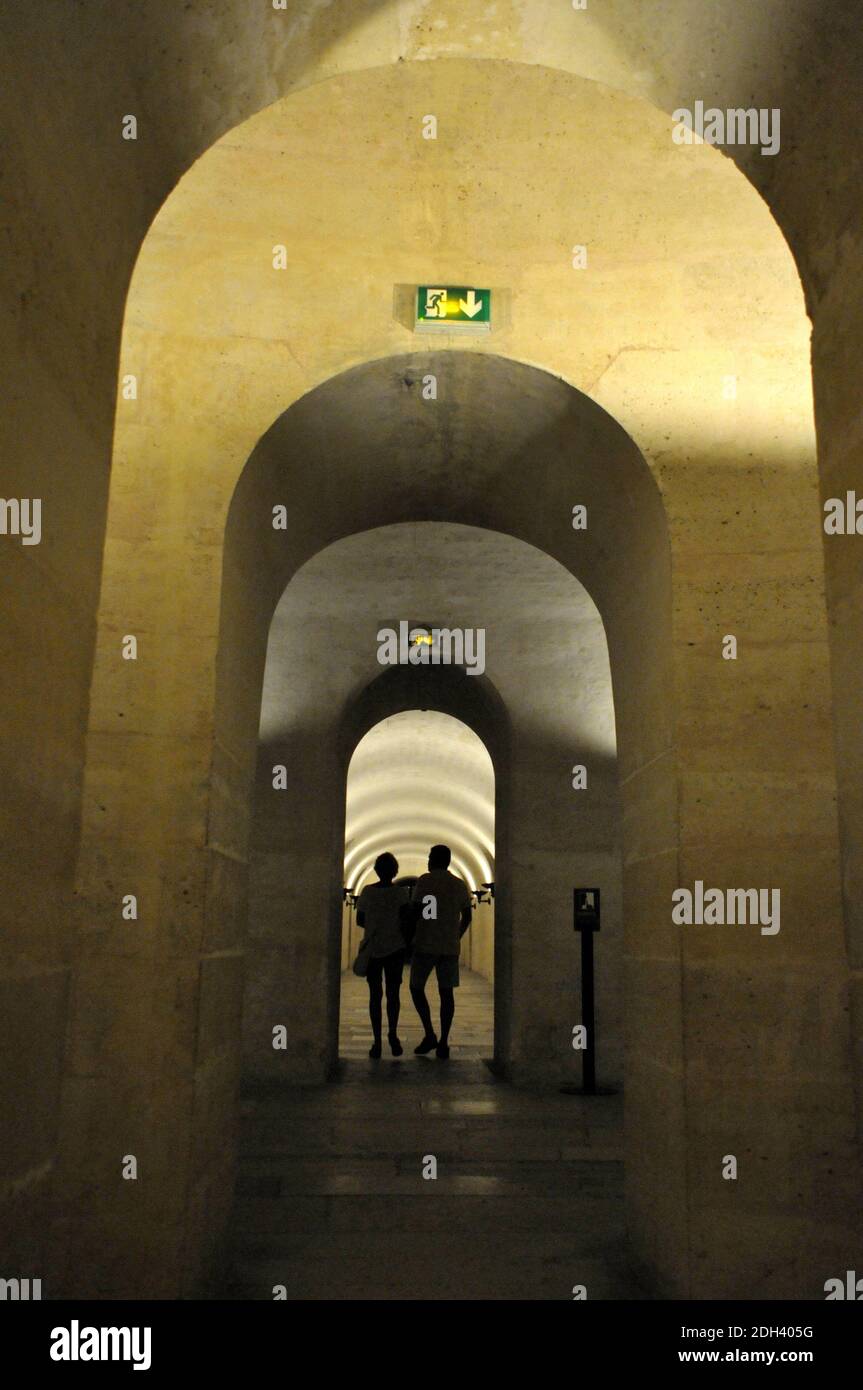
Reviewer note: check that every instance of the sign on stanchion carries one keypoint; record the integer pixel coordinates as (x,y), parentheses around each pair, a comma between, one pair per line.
(585,913)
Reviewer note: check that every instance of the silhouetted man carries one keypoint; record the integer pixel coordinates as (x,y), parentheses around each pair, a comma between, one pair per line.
(440,906)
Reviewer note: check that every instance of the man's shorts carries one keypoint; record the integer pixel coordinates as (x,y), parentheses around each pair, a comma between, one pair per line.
(446,968)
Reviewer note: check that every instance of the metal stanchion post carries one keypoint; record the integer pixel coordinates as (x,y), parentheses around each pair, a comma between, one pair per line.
(585,912)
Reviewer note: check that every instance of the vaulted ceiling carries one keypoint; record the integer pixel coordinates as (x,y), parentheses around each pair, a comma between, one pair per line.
(417,779)
(421,777)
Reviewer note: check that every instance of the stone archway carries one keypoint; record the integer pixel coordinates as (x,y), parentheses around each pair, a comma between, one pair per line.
(473,467)
(775,54)
(421,777)
(204,605)
(547,425)
(476,703)
(292,961)
(545,654)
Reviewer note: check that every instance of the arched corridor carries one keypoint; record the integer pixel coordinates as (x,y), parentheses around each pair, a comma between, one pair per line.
(416,779)
(255,473)
(534,717)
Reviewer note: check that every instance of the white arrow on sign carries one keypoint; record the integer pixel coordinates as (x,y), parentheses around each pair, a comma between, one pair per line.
(471,305)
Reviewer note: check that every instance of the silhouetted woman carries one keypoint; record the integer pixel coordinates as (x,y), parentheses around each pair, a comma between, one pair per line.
(378,913)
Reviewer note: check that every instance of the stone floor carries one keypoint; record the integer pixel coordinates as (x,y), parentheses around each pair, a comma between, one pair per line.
(332,1202)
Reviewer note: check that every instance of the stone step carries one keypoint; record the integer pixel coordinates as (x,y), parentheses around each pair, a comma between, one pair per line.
(439,1212)
(431,1275)
(448,1138)
(280,1176)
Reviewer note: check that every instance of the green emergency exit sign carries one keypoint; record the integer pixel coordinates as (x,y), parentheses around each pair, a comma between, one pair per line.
(451,306)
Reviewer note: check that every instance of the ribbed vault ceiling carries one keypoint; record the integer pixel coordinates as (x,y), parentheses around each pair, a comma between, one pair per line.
(418,779)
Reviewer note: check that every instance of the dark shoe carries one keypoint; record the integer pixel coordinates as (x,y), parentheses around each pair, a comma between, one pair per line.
(375,1051)
(427,1045)
(395,1046)
(442,1050)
